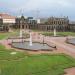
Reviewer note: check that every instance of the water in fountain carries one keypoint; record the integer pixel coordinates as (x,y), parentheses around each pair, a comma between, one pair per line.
(54,32)
(31,45)
(30,42)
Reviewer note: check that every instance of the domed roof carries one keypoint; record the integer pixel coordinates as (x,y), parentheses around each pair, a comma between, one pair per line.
(22,17)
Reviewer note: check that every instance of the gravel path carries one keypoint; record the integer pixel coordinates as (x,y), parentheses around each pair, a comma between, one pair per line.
(70,71)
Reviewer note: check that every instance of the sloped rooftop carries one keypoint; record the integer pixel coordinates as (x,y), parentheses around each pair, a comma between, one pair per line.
(6,16)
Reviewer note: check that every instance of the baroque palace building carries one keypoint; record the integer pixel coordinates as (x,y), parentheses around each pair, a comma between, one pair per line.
(25,23)
(61,24)
(44,24)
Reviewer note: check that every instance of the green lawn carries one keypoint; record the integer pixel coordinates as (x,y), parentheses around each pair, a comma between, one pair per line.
(49,33)
(8,34)
(59,33)
(25,64)
(15,33)
(3,35)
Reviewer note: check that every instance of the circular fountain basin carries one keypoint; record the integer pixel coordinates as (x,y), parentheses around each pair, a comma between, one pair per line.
(71,41)
(36,46)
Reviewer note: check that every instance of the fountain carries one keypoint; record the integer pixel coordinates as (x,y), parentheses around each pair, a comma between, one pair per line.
(70,41)
(20,33)
(54,31)
(35,46)
(29,45)
(30,42)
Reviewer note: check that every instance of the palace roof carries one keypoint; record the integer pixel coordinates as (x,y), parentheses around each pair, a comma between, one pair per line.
(6,16)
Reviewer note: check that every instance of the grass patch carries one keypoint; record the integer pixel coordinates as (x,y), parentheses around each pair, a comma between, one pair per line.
(8,34)
(25,64)
(59,33)
(15,33)
(5,54)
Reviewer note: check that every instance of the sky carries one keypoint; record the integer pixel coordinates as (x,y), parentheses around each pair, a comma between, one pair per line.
(39,8)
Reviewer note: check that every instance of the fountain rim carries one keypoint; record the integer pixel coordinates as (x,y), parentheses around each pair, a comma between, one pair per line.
(68,41)
(33,49)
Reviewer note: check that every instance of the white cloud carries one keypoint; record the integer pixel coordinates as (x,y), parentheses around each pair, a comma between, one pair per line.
(29,5)
(45,6)
(65,3)
(38,4)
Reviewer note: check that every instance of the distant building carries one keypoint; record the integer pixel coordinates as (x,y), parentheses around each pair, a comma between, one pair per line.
(71,25)
(46,24)
(38,21)
(21,22)
(25,23)
(6,21)
(43,20)
(61,24)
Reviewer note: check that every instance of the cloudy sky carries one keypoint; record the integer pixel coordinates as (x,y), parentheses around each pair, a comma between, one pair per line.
(42,8)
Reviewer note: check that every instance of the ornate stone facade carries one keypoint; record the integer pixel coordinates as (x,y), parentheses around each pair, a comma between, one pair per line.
(25,23)
(61,24)
(21,23)
(45,24)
